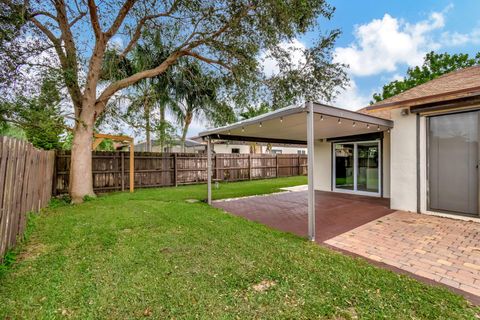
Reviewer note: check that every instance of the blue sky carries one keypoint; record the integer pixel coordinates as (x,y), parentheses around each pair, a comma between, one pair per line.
(381,39)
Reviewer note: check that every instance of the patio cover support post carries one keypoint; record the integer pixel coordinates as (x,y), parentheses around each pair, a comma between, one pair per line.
(209,171)
(311,190)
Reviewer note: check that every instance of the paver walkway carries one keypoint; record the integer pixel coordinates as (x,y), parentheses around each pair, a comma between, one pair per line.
(440,249)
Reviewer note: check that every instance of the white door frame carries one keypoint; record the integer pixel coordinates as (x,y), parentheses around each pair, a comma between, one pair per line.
(355,169)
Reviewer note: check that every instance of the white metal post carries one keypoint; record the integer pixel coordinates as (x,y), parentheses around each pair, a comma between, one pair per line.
(311,162)
(209,171)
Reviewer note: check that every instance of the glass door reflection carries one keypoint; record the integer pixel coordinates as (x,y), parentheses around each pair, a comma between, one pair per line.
(344,166)
(368,173)
(357,167)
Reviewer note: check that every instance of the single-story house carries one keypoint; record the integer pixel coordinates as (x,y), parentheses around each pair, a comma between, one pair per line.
(419,148)
(191,146)
(232,146)
(197,145)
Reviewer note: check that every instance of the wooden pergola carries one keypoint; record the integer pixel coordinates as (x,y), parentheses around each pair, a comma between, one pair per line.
(99,137)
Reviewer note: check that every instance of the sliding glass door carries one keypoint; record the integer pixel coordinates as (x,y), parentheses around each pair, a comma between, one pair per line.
(357,167)
(344,163)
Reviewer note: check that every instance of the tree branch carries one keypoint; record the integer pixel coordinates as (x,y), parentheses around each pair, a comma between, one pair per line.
(43,13)
(55,41)
(69,62)
(120,17)
(187,46)
(78,18)
(121,84)
(207,60)
(92,8)
(140,25)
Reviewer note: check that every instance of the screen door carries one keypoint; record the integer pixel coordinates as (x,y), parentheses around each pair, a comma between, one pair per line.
(453,162)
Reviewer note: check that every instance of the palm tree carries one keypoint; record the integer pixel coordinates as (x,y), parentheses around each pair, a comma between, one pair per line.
(195,93)
(147,95)
(186,89)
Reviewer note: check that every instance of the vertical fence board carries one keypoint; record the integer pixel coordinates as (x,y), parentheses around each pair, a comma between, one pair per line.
(26,184)
(6,151)
(171,169)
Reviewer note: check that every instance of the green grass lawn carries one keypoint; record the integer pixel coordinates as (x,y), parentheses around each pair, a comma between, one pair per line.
(151,254)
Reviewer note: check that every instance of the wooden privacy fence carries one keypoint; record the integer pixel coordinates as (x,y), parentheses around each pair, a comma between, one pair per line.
(111,169)
(25,186)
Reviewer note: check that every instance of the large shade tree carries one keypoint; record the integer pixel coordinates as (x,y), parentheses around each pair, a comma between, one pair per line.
(39,117)
(227,35)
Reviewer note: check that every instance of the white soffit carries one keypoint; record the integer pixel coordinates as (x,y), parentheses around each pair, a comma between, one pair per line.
(291,124)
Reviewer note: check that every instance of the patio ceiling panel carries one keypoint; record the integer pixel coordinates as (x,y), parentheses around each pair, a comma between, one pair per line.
(289,125)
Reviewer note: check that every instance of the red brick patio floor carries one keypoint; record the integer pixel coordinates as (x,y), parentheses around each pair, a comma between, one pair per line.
(336,213)
(432,249)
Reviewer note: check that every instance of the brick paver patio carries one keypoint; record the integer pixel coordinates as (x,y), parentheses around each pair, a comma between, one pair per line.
(336,212)
(440,249)
(433,248)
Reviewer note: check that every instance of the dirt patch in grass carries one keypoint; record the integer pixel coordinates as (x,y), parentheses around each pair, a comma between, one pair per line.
(264,285)
(32,251)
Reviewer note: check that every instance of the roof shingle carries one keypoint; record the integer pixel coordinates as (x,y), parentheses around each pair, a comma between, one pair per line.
(463,82)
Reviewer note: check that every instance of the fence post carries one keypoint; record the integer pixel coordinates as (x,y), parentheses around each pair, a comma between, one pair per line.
(131,162)
(123,170)
(54,177)
(175,170)
(115,169)
(276,164)
(249,166)
(299,166)
(216,167)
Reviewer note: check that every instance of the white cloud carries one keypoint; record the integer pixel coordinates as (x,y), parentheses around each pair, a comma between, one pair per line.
(351,98)
(383,44)
(295,49)
(453,39)
(116,43)
(395,77)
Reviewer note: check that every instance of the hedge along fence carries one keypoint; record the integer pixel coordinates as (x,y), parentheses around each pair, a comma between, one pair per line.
(26,176)
(111,169)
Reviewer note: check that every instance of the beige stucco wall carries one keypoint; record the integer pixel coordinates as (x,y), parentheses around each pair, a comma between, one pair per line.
(323,166)
(386,165)
(423,164)
(245,148)
(403,164)
(286,150)
(227,148)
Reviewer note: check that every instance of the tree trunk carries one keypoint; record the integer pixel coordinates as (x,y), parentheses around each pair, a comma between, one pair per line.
(186,124)
(81,179)
(81,175)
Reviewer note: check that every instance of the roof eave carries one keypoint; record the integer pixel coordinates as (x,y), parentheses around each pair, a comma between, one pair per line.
(264,117)
(463,93)
(319,108)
